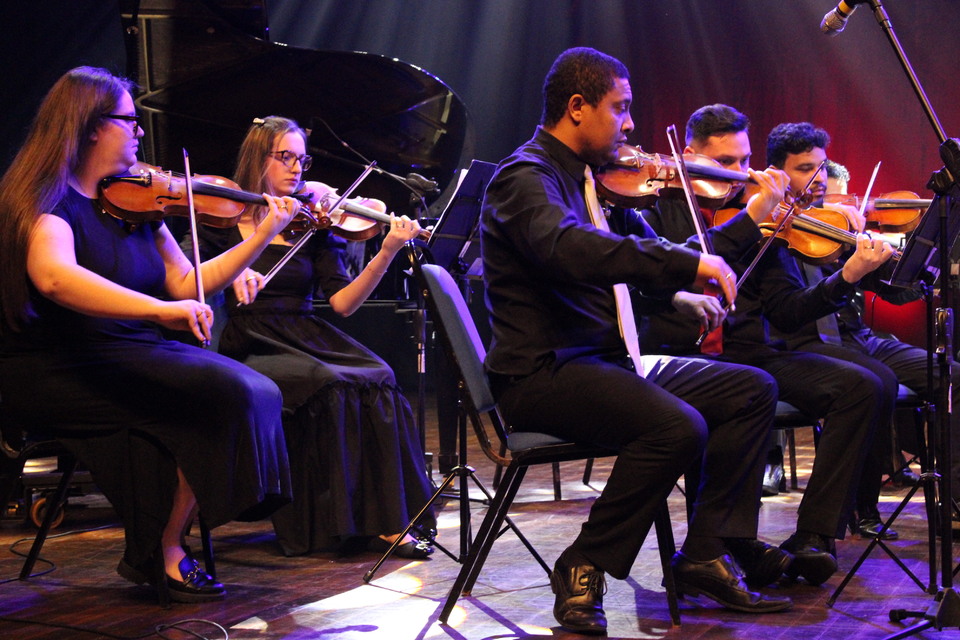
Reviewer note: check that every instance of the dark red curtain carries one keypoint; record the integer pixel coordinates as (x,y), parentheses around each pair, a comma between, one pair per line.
(767,58)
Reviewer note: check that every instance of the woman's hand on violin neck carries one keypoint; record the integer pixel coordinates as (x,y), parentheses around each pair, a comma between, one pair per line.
(187,315)
(402,230)
(279,213)
(868,256)
(713,270)
(247,285)
(705,309)
(771,186)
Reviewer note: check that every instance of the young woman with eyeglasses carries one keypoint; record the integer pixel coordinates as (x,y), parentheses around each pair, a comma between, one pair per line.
(355,454)
(164,427)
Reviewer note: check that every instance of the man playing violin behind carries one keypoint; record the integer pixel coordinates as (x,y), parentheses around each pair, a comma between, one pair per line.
(355,455)
(798,148)
(559,363)
(775,294)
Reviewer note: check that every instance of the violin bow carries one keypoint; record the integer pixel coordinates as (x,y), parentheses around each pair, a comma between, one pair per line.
(309,232)
(784,218)
(705,244)
(684,175)
(866,194)
(193,233)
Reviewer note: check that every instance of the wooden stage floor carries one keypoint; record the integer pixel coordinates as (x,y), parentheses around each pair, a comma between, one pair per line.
(322,596)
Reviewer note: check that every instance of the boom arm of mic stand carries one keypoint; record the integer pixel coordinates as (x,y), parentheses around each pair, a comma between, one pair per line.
(884,21)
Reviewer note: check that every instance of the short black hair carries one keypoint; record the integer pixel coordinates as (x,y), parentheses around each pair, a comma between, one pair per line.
(793,137)
(837,170)
(715,119)
(579,70)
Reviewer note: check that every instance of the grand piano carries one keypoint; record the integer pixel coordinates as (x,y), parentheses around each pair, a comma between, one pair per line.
(208,68)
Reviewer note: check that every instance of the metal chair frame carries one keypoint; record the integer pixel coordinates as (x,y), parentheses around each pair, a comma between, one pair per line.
(526,449)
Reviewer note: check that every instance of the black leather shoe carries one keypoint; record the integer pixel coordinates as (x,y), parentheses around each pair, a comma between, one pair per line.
(812,557)
(721,580)
(419,550)
(870,528)
(772,479)
(762,563)
(579,603)
(906,478)
(195,585)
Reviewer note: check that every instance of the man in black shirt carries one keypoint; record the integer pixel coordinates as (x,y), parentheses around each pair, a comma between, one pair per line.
(798,148)
(559,364)
(845,395)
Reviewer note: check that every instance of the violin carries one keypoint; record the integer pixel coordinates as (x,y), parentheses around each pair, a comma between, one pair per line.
(637,179)
(150,193)
(815,235)
(355,219)
(894,212)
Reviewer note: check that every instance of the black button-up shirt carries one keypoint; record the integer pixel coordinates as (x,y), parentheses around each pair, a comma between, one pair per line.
(549,271)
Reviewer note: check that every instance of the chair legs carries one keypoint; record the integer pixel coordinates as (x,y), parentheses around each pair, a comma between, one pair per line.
(792,448)
(587,471)
(484,539)
(667,548)
(490,530)
(54,504)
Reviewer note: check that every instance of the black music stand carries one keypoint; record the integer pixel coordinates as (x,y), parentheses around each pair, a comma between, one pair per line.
(453,245)
(928,251)
(931,244)
(920,265)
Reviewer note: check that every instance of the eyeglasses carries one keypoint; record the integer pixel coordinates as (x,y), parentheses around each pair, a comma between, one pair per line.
(134,119)
(288,158)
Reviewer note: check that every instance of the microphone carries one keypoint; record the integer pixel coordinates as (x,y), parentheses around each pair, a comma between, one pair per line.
(419,183)
(835,20)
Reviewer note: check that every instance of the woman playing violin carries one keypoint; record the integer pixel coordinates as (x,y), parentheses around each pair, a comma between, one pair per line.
(358,467)
(164,427)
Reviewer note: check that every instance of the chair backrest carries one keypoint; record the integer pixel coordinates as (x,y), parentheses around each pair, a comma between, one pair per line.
(457,326)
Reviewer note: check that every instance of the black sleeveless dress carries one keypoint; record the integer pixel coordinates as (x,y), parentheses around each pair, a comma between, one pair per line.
(134,405)
(355,455)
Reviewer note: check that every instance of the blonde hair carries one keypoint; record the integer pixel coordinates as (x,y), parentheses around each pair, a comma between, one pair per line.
(57,144)
(261,137)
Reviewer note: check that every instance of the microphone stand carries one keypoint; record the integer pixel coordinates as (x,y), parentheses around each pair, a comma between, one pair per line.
(945,612)
(418,186)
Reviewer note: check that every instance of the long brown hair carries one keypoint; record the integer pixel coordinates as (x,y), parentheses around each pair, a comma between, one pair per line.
(261,137)
(57,144)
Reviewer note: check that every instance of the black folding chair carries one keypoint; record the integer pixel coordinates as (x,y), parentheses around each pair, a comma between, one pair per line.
(16,448)
(454,324)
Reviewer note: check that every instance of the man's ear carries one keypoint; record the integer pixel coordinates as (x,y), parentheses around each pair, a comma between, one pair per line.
(575,107)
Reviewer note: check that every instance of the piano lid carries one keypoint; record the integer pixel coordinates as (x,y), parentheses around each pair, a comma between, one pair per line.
(204,81)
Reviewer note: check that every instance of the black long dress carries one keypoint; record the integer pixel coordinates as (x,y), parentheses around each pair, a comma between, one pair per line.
(133,405)
(355,454)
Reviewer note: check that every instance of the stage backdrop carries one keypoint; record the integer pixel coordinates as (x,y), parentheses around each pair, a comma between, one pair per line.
(769,59)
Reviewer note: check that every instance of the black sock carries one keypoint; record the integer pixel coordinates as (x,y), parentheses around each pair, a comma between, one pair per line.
(703,548)
(572,557)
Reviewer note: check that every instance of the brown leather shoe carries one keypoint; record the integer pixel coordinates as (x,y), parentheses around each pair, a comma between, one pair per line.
(579,603)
